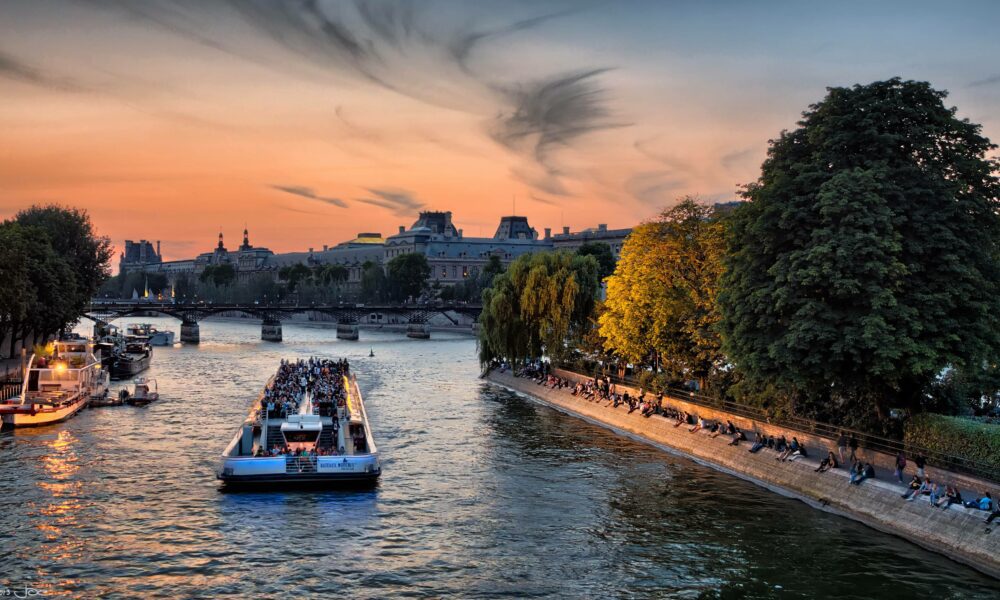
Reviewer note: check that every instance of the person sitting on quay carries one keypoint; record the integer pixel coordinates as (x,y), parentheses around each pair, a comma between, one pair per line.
(951,496)
(830,462)
(780,445)
(993,515)
(698,426)
(798,452)
(862,471)
(738,436)
(925,488)
(984,502)
(937,493)
(793,447)
(913,486)
(759,443)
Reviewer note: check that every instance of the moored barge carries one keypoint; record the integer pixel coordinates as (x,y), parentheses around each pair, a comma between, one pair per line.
(308,426)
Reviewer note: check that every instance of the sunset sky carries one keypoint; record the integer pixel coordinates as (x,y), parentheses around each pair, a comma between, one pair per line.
(312,121)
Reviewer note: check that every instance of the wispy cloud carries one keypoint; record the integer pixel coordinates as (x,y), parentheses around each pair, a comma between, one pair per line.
(551,113)
(652,187)
(994,79)
(309,193)
(408,48)
(401,202)
(541,200)
(17,70)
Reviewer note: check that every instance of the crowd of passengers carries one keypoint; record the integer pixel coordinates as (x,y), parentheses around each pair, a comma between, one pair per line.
(323,380)
(603,389)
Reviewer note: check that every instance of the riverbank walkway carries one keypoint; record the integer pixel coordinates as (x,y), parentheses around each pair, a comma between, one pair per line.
(957,532)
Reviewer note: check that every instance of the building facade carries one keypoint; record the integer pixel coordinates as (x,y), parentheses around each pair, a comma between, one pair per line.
(452,256)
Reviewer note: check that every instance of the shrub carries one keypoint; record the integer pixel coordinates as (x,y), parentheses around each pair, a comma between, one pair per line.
(955,436)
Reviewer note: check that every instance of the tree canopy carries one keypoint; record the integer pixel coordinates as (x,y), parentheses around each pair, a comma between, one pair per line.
(407,276)
(866,258)
(51,264)
(661,301)
(536,304)
(602,252)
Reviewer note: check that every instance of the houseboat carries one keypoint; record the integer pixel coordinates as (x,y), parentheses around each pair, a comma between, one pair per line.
(57,384)
(153,336)
(132,358)
(308,426)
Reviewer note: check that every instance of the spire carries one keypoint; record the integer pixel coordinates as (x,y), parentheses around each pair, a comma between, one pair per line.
(246,238)
(221,246)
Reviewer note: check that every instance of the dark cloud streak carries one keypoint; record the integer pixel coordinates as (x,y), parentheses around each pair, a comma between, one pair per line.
(308,193)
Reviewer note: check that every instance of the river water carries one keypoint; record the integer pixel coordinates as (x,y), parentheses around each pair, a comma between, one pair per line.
(483,494)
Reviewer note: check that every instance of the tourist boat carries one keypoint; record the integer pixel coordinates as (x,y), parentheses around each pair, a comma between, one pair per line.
(319,444)
(154,336)
(131,360)
(58,383)
(141,395)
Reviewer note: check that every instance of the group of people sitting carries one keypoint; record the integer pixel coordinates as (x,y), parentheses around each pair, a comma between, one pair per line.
(322,378)
(600,389)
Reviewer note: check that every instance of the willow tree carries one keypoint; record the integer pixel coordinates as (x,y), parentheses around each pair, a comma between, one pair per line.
(533,307)
(867,259)
(661,302)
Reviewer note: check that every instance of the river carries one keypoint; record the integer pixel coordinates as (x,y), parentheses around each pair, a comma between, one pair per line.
(483,495)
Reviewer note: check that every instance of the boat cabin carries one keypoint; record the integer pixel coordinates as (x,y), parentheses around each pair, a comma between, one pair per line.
(301,432)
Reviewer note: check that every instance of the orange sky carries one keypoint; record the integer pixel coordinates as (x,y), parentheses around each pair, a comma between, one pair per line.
(168,120)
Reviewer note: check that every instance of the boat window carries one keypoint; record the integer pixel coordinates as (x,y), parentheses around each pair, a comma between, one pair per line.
(301,436)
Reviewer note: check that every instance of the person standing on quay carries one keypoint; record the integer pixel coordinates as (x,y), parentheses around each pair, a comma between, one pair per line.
(842,446)
(853,443)
(900,465)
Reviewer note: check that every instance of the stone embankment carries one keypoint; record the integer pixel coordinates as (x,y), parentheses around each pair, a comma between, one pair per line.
(957,532)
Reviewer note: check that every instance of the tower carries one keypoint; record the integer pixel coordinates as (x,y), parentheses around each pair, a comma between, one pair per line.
(221,246)
(246,239)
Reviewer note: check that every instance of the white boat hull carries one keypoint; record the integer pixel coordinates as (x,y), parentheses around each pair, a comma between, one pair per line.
(46,416)
(364,468)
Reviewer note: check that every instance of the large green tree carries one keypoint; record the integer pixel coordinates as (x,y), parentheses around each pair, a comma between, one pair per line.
(531,309)
(407,276)
(661,301)
(602,252)
(866,259)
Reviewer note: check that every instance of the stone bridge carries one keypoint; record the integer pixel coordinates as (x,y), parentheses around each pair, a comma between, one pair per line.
(347,316)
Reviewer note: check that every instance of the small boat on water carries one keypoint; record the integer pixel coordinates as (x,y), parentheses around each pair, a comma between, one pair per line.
(132,359)
(308,426)
(58,383)
(154,336)
(142,394)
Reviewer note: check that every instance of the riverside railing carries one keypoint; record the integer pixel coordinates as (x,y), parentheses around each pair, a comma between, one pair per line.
(10,389)
(870,441)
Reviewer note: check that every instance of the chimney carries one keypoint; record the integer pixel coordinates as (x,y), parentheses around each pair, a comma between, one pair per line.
(325,247)
(310,251)
(602,227)
(158,248)
(460,233)
(402,229)
(548,232)
(566,230)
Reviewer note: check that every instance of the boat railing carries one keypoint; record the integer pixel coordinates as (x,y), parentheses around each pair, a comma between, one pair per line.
(300,464)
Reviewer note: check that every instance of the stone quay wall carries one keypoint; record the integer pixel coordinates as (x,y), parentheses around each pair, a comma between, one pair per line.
(958,533)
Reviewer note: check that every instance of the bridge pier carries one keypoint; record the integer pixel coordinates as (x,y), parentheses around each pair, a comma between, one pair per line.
(190,332)
(347,331)
(270,331)
(419,331)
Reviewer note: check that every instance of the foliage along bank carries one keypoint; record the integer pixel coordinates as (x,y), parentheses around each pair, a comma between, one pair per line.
(51,264)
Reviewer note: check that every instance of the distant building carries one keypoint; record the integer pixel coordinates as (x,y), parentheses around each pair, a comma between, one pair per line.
(137,255)
(612,237)
(452,256)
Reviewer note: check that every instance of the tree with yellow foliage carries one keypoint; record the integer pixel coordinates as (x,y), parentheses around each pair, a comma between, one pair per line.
(660,308)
